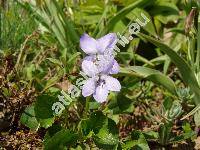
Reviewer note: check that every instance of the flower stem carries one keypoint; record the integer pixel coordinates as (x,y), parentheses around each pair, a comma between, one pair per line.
(86,106)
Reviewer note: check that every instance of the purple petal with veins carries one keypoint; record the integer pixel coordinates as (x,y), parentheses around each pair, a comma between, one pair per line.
(88,44)
(100,94)
(89,68)
(112,84)
(115,68)
(106,42)
(89,87)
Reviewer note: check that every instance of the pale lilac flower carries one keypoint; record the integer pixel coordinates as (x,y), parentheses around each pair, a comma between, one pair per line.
(98,65)
(100,53)
(92,66)
(91,46)
(100,86)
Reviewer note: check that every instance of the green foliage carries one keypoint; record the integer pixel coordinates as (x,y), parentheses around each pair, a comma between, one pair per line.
(15,25)
(43,106)
(104,130)
(138,142)
(159,71)
(186,71)
(136,14)
(28,118)
(152,75)
(53,19)
(59,140)
(124,12)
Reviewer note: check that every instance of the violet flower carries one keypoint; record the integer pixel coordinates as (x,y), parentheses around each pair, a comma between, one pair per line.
(98,65)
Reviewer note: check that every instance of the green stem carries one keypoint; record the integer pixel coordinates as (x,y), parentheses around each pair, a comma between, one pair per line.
(86,106)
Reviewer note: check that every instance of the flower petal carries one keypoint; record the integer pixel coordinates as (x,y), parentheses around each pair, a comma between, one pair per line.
(106,42)
(89,68)
(115,68)
(89,87)
(88,44)
(101,94)
(112,84)
(104,64)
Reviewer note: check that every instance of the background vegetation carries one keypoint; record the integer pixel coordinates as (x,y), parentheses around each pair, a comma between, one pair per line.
(159,104)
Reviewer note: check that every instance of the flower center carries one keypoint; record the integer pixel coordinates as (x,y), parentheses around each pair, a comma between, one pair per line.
(101,82)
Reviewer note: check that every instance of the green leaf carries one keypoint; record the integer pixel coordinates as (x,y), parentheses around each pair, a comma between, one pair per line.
(138,142)
(186,72)
(55,61)
(46,123)
(73,57)
(94,123)
(128,145)
(104,129)
(119,26)
(136,14)
(165,11)
(28,118)
(168,102)
(60,140)
(43,106)
(154,76)
(52,131)
(165,132)
(94,105)
(107,136)
(121,104)
(142,59)
(187,127)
